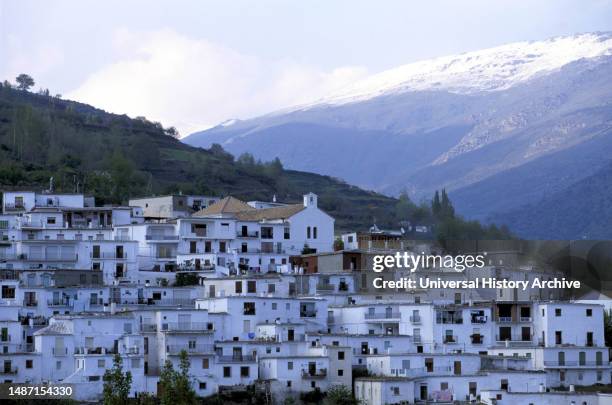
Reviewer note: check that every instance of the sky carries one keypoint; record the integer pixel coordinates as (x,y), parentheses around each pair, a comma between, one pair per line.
(194,64)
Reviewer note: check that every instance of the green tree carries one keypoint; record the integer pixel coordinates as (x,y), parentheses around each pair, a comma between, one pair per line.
(117,384)
(436,206)
(175,385)
(340,395)
(338,244)
(24,82)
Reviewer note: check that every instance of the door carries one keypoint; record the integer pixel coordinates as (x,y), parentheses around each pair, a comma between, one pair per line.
(423,392)
(119,252)
(192,246)
(290,335)
(237,353)
(457,368)
(525,334)
(561,358)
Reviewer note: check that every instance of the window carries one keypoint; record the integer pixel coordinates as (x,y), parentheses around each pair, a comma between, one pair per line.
(313,384)
(340,373)
(557,311)
(340,355)
(244,371)
(274,306)
(271,288)
(8,292)
(29,363)
(222,247)
(202,385)
(288,384)
(289,365)
(58,365)
(396,390)
(205,364)
(227,372)
(314,232)
(251,287)
(308,232)
(249,308)
(50,220)
(589,312)
(287,233)
(238,287)
(101,363)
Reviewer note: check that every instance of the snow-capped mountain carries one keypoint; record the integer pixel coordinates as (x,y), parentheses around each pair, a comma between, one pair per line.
(499,128)
(491,69)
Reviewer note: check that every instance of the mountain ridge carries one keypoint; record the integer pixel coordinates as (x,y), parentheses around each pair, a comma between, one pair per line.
(423,140)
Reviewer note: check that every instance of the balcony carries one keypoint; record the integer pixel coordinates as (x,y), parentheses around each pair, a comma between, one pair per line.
(514,339)
(479,319)
(504,319)
(382,315)
(251,234)
(186,327)
(59,351)
(59,303)
(449,320)
(325,287)
(570,364)
(14,206)
(8,370)
(109,255)
(415,319)
(94,350)
(30,303)
(197,349)
(314,374)
(154,237)
(450,339)
(43,258)
(243,358)
(148,327)
(477,339)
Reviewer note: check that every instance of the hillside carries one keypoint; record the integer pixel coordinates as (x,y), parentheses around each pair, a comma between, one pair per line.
(569,213)
(498,128)
(114,157)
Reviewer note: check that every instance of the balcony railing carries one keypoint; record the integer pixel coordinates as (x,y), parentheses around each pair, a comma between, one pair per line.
(161,237)
(95,350)
(557,363)
(450,339)
(109,255)
(8,370)
(59,303)
(321,373)
(248,234)
(325,287)
(186,327)
(197,349)
(514,338)
(14,207)
(243,358)
(449,320)
(479,319)
(30,303)
(504,319)
(477,339)
(383,315)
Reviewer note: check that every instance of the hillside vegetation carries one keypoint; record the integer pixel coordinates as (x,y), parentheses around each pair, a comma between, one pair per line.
(114,157)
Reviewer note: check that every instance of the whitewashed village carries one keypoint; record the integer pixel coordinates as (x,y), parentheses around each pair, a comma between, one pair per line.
(263,294)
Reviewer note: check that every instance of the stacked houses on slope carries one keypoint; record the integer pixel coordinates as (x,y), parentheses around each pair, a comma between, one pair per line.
(255,295)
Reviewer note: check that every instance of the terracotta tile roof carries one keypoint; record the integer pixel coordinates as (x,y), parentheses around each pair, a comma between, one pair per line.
(283,212)
(228,205)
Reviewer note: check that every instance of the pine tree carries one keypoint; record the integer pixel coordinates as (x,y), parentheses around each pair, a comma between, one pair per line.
(436,206)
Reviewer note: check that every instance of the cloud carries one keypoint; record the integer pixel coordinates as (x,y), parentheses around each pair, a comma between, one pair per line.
(194,84)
